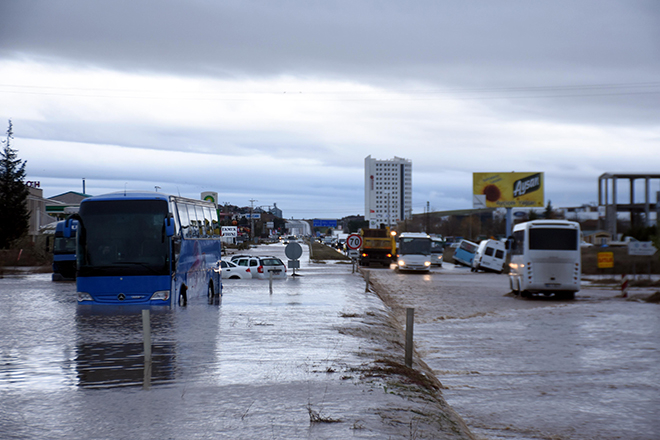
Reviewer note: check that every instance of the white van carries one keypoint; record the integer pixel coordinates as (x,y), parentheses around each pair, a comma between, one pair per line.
(491,256)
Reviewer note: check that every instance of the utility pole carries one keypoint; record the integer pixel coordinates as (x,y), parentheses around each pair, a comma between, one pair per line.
(428,210)
(252,219)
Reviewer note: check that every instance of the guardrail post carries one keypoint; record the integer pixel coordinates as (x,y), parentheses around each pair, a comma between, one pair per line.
(366,278)
(146,336)
(270,281)
(410,319)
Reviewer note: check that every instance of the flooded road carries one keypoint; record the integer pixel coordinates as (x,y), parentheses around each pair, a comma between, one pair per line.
(535,369)
(297,364)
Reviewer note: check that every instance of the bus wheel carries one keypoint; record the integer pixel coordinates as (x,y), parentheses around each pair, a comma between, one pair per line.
(183,297)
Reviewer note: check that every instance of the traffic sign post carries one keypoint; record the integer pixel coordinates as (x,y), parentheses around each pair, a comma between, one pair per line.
(293,251)
(353,243)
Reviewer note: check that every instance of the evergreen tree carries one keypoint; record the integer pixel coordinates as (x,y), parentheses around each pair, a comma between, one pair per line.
(549,214)
(14,216)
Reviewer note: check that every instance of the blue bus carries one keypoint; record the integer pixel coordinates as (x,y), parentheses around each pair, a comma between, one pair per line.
(64,253)
(146,248)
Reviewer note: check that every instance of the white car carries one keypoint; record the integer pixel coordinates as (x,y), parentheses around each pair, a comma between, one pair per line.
(262,267)
(232,271)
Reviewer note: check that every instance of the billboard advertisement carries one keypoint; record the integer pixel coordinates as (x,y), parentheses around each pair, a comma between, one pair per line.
(508,190)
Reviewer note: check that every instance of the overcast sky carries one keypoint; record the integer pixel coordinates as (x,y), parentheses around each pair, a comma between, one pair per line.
(281,101)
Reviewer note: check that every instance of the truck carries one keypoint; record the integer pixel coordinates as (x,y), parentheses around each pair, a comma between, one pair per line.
(378,246)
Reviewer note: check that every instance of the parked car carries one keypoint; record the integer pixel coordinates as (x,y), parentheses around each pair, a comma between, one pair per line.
(235,258)
(232,271)
(261,267)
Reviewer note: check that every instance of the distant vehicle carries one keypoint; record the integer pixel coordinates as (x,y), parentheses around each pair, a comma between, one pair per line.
(64,253)
(378,246)
(414,252)
(232,271)
(545,258)
(146,248)
(289,239)
(464,253)
(262,267)
(437,251)
(623,242)
(490,256)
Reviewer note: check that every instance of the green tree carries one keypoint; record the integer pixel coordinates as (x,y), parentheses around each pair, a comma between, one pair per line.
(548,213)
(14,216)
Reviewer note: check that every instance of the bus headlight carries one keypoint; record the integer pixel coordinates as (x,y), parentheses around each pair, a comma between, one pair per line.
(84,296)
(161,295)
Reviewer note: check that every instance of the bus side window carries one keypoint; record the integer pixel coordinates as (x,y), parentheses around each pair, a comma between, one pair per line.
(518,243)
(208,221)
(185,221)
(201,223)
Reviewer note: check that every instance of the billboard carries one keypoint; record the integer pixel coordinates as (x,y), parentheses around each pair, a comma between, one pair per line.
(508,190)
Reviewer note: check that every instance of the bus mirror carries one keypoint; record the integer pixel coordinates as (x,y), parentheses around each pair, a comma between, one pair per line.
(169,226)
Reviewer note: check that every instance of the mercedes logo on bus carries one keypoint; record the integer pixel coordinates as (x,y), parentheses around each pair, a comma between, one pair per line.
(121,297)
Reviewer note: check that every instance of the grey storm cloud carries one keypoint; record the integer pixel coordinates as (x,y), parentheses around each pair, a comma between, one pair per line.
(588,59)
(516,40)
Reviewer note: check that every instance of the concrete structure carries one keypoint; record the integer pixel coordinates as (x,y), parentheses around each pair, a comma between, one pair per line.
(610,204)
(387,191)
(36,206)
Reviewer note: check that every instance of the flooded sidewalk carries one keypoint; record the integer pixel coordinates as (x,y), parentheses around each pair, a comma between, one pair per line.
(319,358)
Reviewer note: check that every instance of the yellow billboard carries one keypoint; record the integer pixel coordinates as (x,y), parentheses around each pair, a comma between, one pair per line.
(507,190)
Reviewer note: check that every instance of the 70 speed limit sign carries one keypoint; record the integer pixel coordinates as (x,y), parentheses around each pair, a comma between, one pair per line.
(354,241)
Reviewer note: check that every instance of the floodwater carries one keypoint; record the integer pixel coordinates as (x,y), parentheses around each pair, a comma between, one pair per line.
(255,365)
(537,368)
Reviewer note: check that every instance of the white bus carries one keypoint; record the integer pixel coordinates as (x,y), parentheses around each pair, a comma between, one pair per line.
(545,258)
(414,251)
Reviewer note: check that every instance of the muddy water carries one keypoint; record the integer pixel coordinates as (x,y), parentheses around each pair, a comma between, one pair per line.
(536,369)
(253,366)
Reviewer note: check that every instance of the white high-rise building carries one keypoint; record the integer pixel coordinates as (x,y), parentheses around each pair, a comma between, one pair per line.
(387,191)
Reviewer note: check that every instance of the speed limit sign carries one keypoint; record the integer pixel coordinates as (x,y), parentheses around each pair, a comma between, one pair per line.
(354,241)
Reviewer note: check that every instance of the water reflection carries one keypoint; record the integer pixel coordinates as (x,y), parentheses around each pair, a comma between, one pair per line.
(110,349)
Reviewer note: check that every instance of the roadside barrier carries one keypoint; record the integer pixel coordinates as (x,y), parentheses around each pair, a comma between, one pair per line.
(624,286)
(146,337)
(410,320)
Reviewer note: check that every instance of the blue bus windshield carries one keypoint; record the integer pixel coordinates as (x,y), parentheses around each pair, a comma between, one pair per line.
(123,237)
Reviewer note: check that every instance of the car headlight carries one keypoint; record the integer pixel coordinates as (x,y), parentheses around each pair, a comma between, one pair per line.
(84,296)
(427,263)
(162,295)
(401,263)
